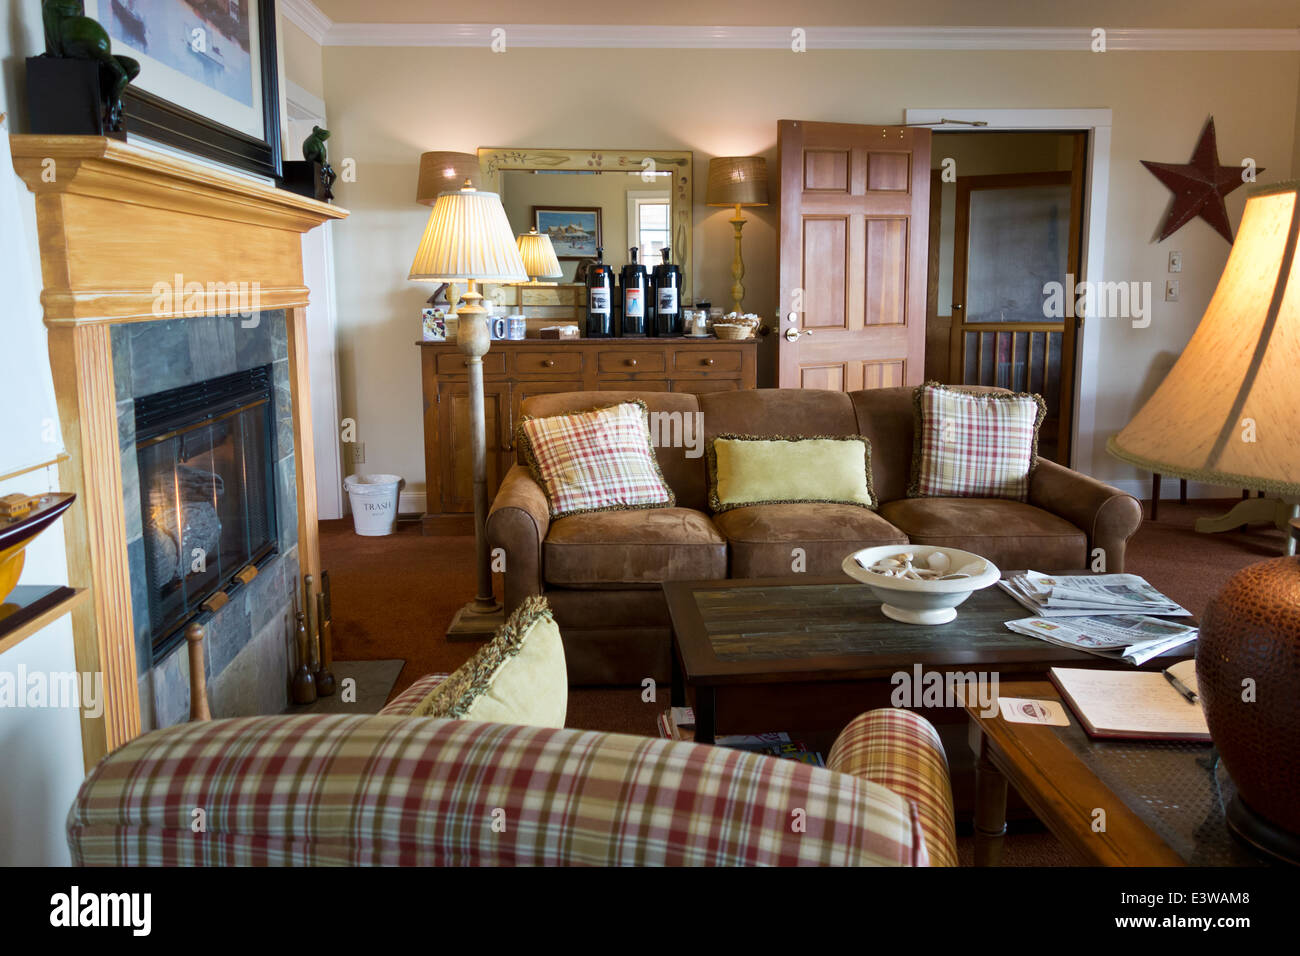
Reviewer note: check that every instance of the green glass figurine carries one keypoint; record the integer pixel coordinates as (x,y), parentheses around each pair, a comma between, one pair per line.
(313,150)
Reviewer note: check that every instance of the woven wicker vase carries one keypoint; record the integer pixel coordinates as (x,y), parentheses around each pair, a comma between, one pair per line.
(1251,632)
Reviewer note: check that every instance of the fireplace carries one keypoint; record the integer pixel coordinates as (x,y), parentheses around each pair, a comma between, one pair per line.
(205,455)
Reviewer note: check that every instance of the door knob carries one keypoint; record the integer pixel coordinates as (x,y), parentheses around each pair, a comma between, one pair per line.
(708,361)
(631,361)
(549,363)
(792,335)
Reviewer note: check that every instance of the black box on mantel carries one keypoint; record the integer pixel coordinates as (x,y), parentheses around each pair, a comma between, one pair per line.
(64,97)
(306,179)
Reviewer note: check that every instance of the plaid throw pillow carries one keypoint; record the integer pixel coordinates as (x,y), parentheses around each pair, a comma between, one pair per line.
(598,460)
(974,445)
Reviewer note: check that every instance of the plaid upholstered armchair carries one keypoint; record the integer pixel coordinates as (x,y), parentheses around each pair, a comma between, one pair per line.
(391,789)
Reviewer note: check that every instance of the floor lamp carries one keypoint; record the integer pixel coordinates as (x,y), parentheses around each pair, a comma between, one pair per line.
(468,239)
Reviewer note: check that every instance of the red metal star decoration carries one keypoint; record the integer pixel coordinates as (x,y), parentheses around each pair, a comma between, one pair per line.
(1198,187)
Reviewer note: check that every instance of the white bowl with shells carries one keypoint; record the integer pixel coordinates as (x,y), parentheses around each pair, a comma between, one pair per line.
(920,584)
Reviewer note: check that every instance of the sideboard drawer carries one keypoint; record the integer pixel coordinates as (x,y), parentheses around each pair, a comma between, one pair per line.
(706,360)
(454,364)
(553,361)
(621,360)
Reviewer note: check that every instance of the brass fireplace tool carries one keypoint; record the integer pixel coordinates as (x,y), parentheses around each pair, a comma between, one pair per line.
(320,671)
(304,685)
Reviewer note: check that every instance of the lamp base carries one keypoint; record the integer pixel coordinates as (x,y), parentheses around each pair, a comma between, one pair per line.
(1273,511)
(473,623)
(1261,835)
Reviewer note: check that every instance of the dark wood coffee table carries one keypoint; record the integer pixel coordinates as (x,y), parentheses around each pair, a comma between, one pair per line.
(771,654)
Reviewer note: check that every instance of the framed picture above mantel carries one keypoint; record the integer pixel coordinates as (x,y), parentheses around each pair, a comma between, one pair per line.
(208,78)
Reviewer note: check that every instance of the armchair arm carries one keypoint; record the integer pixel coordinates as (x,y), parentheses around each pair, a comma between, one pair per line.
(901,751)
(518,522)
(358,789)
(1108,516)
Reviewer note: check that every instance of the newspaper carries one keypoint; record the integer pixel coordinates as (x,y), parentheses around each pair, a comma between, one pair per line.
(1135,638)
(1089,595)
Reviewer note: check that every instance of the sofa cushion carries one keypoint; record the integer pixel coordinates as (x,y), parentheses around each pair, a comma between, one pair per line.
(596,460)
(974,446)
(633,547)
(1011,534)
(518,677)
(744,470)
(762,538)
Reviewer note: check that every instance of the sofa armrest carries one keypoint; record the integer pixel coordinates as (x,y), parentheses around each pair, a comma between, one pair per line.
(351,789)
(1108,516)
(409,699)
(901,751)
(517,523)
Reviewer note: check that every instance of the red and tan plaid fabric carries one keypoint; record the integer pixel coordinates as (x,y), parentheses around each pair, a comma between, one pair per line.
(406,701)
(900,750)
(351,789)
(974,445)
(600,460)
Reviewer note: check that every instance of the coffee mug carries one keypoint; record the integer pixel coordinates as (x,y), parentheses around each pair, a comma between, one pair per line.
(516,327)
(497,327)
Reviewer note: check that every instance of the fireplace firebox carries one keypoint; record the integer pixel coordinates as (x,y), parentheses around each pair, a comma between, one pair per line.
(206,455)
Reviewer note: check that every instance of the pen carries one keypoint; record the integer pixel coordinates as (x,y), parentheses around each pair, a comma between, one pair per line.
(1181,687)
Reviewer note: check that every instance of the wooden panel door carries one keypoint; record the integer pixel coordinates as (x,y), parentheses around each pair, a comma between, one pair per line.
(854,223)
(455,449)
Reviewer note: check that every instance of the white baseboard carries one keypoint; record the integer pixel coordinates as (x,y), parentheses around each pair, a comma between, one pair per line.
(412,502)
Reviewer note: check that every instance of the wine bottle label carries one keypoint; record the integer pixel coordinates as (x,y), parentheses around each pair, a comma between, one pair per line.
(633,304)
(598,301)
(666,300)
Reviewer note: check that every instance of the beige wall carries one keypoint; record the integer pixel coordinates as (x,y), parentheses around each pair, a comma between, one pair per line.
(388,105)
(302,58)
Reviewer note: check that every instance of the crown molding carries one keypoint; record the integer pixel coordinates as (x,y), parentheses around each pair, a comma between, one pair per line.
(578,36)
(308,18)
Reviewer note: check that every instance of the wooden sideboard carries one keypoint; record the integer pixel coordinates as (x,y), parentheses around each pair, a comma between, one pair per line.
(514,370)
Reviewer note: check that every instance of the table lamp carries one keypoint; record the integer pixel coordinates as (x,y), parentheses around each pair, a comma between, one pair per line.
(539,257)
(441,170)
(468,238)
(737,181)
(1227,414)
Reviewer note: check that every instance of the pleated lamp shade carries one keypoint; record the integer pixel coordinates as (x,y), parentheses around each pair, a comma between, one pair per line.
(441,171)
(1228,413)
(539,255)
(737,180)
(468,237)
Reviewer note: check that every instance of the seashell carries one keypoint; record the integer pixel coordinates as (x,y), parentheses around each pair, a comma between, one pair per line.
(889,563)
(905,556)
(911,575)
(938,561)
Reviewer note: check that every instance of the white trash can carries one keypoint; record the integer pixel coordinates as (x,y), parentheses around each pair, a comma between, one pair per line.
(374,502)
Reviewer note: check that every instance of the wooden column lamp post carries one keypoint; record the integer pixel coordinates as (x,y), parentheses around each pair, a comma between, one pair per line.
(468,238)
(737,181)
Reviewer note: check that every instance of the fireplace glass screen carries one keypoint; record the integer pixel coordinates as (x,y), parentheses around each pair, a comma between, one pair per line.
(207,494)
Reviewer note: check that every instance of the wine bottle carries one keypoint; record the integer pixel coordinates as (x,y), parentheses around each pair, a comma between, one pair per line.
(669,317)
(600,298)
(634,296)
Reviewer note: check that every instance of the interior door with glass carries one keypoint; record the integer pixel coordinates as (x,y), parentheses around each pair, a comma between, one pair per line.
(1013,235)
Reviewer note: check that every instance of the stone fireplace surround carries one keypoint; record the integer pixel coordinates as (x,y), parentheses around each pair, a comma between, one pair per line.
(114,219)
(250,640)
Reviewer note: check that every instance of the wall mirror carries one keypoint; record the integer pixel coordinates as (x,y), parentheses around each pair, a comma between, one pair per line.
(583,198)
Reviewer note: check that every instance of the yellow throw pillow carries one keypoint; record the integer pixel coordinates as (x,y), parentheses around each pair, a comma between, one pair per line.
(518,677)
(745,470)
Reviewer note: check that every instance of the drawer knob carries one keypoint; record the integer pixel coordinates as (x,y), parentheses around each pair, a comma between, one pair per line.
(708,361)
(549,363)
(631,361)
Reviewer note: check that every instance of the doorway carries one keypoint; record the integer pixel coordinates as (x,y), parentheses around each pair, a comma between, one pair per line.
(1006,222)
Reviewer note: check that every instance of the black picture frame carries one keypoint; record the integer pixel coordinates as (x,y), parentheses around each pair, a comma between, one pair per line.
(153,117)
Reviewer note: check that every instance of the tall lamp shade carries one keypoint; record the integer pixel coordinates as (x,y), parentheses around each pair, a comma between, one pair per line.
(737,181)
(1227,411)
(441,171)
(539,257)
(469,237)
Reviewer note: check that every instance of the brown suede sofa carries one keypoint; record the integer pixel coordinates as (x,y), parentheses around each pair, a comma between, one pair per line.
(602,572)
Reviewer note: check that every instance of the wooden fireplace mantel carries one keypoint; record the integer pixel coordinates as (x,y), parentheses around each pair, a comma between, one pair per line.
(123,232)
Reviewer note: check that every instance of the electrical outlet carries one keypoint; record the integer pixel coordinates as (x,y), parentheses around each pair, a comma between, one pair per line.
(1175,262)
(358,453)
(1171,290)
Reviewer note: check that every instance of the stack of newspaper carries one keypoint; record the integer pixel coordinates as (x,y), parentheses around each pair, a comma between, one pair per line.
(1113,615)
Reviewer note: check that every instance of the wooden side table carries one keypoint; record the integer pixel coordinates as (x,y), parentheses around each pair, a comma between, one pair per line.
(1113,803)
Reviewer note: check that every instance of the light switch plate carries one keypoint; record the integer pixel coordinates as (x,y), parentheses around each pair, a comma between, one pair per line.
(1171,290)
(1175,262)
(358,453)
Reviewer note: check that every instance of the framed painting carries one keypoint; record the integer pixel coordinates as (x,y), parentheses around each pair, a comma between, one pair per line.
(574,230)
(207,82)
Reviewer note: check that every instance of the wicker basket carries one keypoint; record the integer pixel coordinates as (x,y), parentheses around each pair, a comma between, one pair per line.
(729,330)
